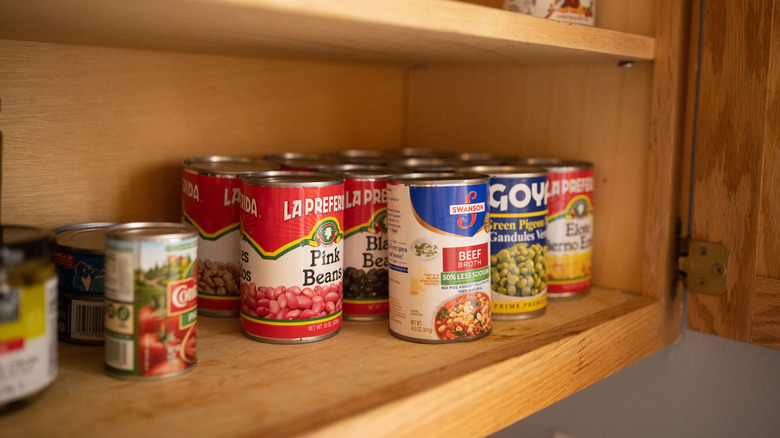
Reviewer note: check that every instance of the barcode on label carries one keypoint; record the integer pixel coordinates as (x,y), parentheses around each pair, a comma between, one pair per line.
(119,353)
(87,320)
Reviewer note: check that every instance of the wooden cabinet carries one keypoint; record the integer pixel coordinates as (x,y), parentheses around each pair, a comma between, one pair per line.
(736,170)
(100,103)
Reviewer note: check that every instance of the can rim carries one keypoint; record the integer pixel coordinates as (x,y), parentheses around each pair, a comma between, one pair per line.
(152,231)
(220,165)
(423,179)
(506,170)
(292,178)
(70,237)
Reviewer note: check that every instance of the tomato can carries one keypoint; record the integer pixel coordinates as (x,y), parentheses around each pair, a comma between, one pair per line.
(151,300)
(79,255)
(28,314)
(569,226)
(210,202)
(570,11)
(518,240)
(292,256)
(439,255)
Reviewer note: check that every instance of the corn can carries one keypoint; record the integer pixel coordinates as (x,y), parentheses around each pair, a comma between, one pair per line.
(151,300)
(569,226)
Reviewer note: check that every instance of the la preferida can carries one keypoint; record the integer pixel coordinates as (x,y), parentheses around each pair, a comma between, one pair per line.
(569,225)
(151,300)
(292,256)
(28,314)
(365,243)
(439,254)
(210,202)
(518,244)
(79,255)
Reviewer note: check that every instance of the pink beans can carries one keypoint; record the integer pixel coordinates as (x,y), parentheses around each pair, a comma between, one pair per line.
(292,256)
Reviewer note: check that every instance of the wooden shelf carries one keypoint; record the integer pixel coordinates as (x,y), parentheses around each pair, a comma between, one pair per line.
(408,31)
(361,379)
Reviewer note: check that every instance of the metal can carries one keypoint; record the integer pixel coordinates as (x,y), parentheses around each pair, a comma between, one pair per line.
(79,254)
(438,251)
(362,156)
(569,225)
(210,202)
(570,11)
(365,244)
(518,242)
(292,256)
(28,314)
(427,164)
(151,300)
(301,162)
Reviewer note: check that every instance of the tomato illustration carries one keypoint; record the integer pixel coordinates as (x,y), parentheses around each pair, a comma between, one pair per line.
(188,351)
(151,351)
(148,320)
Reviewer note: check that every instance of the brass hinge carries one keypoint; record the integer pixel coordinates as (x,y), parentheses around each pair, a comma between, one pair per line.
(703,266)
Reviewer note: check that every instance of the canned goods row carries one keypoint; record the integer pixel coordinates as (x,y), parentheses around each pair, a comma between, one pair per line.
(296,282)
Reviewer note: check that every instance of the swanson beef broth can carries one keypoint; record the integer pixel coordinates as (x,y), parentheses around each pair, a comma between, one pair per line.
(569,225)
(365,243)
(439,254)
(151,300)
(79,255)
(210,202)
(292,256)
(518,244)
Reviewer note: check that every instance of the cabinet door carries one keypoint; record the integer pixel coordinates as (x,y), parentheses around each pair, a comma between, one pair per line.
(736,168)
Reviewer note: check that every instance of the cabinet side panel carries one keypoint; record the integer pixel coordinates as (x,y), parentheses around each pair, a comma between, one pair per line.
(99,134)
(598,113)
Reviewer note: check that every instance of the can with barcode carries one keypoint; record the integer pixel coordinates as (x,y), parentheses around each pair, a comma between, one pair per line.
(210,203)
(79,255)
(151,300)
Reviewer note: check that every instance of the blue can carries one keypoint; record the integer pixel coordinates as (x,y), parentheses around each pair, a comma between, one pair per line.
(79,255)
(518,240)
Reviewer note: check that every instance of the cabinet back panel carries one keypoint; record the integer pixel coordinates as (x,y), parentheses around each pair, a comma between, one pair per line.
(99,134)
(596,113)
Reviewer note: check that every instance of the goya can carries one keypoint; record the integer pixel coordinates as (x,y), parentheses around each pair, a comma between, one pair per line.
(365,243)
(518,243)
(79,254)
(292,256)
(28,314)
(569,226)
(210,202)
(151,300)
(439,254)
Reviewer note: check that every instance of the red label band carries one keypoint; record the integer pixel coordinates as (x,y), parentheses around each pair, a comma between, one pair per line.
(280,329)
(567,287)
(224,303)
(366,307)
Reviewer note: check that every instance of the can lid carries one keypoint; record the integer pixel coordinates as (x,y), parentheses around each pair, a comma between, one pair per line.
(291,178)
(439,179)
(152,231)
(506,170)
(219,165)
(555,163)
(20,242)
(89,237)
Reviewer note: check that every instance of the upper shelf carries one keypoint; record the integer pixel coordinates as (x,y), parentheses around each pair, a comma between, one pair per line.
(407,31)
